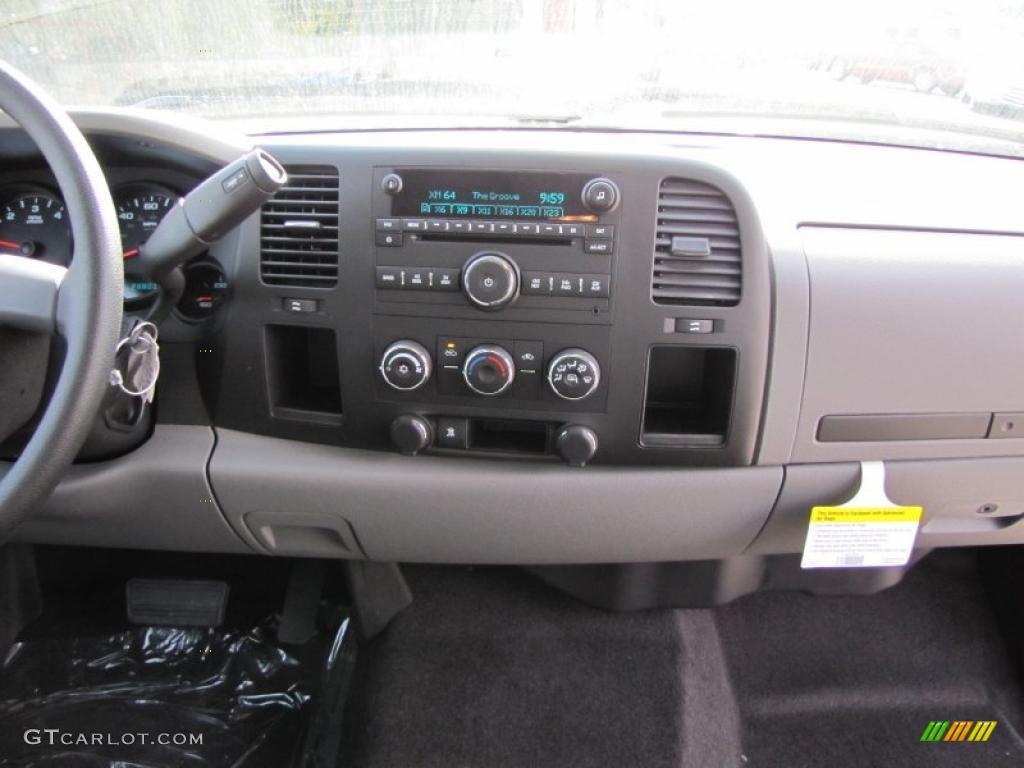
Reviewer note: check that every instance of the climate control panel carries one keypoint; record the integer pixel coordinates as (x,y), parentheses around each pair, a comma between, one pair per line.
(517,369)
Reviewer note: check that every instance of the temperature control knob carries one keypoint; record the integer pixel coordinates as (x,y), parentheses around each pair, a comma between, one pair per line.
(574,374)
(489,369)
(406,365)
(490,280)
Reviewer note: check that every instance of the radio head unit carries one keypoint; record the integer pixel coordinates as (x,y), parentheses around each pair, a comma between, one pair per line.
(526,195)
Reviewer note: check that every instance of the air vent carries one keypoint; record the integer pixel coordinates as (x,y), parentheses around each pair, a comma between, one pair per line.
(697,246)
(299,230)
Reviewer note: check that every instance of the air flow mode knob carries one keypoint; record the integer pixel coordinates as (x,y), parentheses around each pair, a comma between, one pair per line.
(574,374)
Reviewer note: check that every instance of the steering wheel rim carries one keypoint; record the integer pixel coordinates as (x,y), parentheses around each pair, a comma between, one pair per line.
(82,304)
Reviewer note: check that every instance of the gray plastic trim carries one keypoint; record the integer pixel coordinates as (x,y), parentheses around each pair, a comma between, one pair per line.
(430,509)
(1007,425)
(28,293)
(910,322)
(208,140)
(967,502)
(904,426)
(156,497)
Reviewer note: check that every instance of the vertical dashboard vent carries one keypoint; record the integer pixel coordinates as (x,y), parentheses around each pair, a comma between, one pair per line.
(299,230)
(697,246)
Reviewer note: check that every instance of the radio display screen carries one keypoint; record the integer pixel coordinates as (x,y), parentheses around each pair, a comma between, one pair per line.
(491,195)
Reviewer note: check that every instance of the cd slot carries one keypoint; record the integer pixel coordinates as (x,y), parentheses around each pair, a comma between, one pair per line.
(476,237)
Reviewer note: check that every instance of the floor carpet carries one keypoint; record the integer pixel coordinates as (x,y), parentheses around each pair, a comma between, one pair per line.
(489,668)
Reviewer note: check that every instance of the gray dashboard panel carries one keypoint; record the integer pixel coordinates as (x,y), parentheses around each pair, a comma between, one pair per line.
(905,322)
(426,509)
(156,497)
(869,318)
(967,502)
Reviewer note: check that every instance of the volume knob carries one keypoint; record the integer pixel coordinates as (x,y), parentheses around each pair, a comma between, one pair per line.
(490,280)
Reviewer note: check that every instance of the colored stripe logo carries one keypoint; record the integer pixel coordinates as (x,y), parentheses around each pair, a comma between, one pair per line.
(958,730)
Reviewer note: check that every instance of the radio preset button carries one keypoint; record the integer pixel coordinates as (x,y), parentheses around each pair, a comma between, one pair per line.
(437,225)
(567,285)
(481,226)
(504,227)
(595,286)
(417,280)
(537,283)
(446,279)
(490,280)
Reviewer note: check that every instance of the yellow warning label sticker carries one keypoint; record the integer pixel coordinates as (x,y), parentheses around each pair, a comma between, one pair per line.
(860,536)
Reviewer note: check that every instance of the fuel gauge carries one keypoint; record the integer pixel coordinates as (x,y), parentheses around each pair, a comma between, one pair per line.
(205,289)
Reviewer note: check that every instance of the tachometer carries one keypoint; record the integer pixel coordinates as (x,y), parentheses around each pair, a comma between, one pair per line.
(35,224)
(140,208)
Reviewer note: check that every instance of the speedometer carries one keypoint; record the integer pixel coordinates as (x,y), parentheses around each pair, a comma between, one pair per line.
(140,208)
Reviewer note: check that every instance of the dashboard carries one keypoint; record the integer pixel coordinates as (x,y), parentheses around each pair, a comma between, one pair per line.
(548,347)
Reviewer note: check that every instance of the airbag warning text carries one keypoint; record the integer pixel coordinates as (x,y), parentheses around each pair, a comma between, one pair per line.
(860,537)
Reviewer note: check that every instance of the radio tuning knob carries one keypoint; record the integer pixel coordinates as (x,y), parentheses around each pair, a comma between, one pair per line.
(406,365)
(600,195)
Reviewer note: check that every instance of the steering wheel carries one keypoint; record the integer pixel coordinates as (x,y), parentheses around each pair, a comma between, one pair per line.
(80,304)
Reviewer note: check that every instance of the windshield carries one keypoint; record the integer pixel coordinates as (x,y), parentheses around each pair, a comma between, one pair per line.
(947,74)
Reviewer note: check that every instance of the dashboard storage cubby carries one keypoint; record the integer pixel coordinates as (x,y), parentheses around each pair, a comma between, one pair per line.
(688,396)
(302,373)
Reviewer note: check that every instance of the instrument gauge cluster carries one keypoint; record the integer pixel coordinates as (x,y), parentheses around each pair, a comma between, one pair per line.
(34,224)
